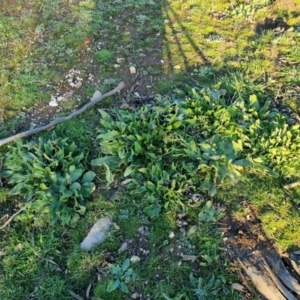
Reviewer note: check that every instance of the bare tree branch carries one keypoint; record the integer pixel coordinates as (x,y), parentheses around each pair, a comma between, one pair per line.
(14,215)
(291,185)
(97,97)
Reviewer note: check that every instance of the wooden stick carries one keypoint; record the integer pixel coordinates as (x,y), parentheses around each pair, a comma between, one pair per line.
(14,215)
(291,185)
(97,97)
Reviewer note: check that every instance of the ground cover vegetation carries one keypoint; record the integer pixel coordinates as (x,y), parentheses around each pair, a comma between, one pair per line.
(221,131)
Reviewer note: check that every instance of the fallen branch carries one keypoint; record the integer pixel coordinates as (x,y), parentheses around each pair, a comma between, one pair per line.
(291,185)
(14,215)
(97,97)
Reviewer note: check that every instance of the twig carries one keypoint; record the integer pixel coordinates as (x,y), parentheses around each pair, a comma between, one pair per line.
(1,165)
(75,296)
(97,97)
(15,214)
(291,185)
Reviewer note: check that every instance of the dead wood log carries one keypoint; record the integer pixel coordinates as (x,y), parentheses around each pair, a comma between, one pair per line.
(294,263)
(284,275)
(261,279)
(97,97)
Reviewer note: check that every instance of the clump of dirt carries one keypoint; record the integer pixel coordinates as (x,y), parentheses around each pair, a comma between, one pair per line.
(275,24)
(259,263)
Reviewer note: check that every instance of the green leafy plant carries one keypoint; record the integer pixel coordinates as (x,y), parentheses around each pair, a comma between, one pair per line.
(210,139)
(50,174)
(209,213)
(122,276)
(206,289)
(104,56)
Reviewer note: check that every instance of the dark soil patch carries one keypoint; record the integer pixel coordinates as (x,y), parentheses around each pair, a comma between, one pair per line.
(276,24)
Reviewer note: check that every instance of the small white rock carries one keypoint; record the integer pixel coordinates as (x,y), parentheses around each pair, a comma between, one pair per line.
(123,247)
(238,287)
(171,235)
(53,102)
(132,70)
(134,259)
(192,230)
(120,60)
(97,234)
(78,84)
(135,296)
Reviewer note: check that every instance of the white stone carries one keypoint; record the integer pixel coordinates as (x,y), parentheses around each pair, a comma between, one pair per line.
(134,259)
(97,234)
(78,84)
(171,235)
(53,102)
(132,70)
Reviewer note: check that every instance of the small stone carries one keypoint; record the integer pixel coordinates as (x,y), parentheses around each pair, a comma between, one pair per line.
(124,106)
(171,235)
(192,230)
(132,70)
(120,60)
(53,102)
(78,84)
(238,287)
(197,197)
(123,248)
(135,259)
(135,296)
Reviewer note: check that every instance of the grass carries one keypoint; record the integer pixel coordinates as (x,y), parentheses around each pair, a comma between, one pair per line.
(224,46)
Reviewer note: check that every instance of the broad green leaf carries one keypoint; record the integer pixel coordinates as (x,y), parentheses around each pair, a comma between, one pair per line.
(137,147)
(105,116)
(124,287)
(43,186)
(115,270)
(72,147)
(108,175)
(75,174)
(177,124)
(109,136)
(17,189)
(71,168)
(81,210)
(88,176)
(17,178)
(60,155)
(48,148)
(150,186)
(112,161)
(125,264)
(242,163)
(254,102)
(75,186)
(212,191)
(112,285)
(128,171)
